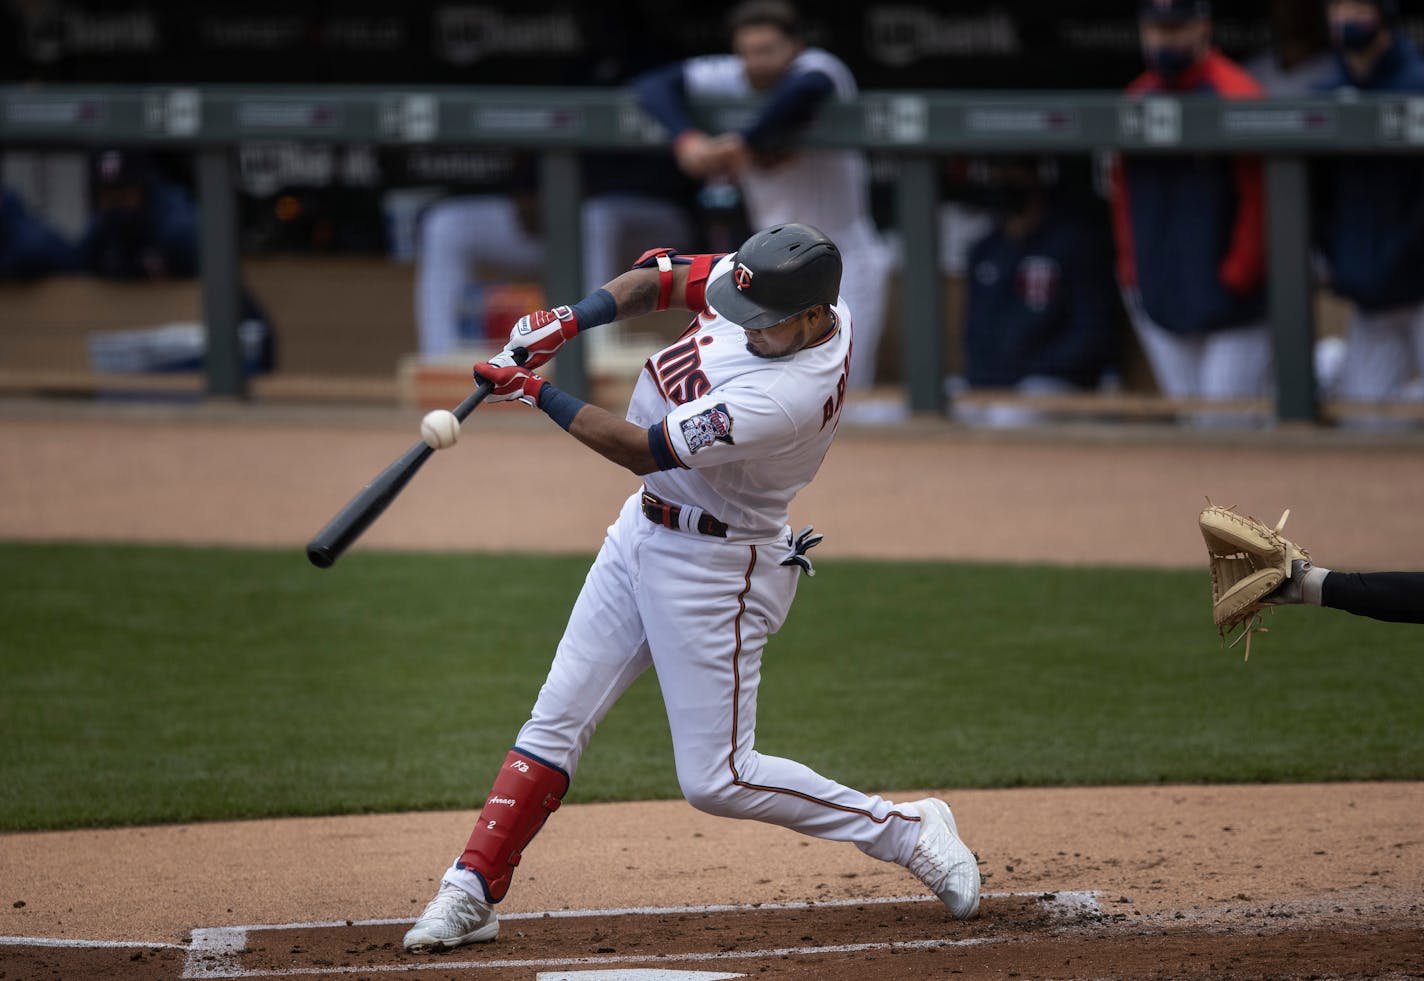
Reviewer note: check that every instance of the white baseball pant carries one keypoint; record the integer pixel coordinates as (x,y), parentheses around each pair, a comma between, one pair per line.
(1224,364)
(699,610)
(1384,352)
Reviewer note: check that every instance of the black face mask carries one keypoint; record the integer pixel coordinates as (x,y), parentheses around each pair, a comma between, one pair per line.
(1171,62)
(1356,35)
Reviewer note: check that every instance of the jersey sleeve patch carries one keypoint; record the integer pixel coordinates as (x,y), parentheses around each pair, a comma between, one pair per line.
(707,428)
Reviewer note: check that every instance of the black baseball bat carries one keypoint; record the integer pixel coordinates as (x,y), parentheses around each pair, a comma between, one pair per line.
(363,509)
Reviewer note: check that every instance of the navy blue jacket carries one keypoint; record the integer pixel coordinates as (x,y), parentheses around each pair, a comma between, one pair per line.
(1370,210)
(1042,306)
(1190,229)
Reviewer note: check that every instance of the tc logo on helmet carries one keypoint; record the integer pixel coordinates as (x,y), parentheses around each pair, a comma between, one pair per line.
(742,276)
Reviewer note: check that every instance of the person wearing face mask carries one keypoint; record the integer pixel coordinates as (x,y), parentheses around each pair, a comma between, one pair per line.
(1039,311)
(828,189)
(1370,216)
(1190,231)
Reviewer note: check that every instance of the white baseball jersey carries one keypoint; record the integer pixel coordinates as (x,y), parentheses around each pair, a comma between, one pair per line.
(747,432)
(823,188)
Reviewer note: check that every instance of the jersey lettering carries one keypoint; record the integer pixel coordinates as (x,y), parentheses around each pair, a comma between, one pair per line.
(834,402)
(680,374)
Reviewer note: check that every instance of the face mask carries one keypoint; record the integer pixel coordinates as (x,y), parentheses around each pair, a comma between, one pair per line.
(1356,35)
(1171,62)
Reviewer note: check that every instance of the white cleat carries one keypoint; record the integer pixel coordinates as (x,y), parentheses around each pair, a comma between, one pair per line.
(452,919)
(943,862)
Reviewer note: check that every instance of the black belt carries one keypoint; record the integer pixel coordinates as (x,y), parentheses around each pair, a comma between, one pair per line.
(660,512)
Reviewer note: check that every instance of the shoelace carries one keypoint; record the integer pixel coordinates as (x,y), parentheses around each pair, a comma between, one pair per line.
(927,864)
(447,903)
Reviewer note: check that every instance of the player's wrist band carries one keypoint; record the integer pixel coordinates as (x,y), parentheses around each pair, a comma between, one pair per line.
(597,308)
(559,405)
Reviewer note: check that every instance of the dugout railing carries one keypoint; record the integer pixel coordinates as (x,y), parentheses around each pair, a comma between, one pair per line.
(916,128)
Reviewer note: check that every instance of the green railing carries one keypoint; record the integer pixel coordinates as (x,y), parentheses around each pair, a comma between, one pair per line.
(915,127)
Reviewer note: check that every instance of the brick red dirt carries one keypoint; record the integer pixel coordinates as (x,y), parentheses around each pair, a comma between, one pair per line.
(1230,881)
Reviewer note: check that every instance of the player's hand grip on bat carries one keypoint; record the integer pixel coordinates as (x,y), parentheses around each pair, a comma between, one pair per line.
(542,333)
(510,379)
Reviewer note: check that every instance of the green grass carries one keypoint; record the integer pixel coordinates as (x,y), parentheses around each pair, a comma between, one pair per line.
(143,684)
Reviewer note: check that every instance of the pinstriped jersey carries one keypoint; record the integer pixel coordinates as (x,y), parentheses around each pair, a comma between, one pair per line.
(747,432)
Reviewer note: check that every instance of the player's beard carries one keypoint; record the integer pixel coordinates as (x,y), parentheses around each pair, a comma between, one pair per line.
(768,355)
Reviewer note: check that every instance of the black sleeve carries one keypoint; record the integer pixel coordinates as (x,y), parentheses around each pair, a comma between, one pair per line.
(1393,596)
(663,95)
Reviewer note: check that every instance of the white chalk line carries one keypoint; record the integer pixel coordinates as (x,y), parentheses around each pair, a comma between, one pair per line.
(215,952)
(439,964)
(1068,901)
(87,944)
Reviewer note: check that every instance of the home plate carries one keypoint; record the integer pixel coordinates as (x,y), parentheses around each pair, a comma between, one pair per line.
(645,974)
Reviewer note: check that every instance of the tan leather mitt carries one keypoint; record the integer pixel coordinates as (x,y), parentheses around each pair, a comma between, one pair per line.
(1249,561)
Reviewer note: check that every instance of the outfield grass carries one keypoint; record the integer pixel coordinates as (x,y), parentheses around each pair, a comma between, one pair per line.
(145,684)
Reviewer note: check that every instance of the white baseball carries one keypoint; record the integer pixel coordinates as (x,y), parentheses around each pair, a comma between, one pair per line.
(440,429)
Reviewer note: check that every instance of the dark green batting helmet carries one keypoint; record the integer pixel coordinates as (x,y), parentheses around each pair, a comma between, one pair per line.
(776,274)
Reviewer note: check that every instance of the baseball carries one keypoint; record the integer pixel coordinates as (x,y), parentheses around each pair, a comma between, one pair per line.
(440,429)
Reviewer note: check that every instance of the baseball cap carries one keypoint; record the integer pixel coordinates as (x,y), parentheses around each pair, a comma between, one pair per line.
(776,274)
(1173,11)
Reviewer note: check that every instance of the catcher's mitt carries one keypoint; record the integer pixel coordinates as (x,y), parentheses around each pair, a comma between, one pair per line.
(1249,561)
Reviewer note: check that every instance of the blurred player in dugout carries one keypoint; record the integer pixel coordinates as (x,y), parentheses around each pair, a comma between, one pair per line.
(629,198)
(828,189)
(1190,230)
(1370,215)
(142,225)
(1041,317)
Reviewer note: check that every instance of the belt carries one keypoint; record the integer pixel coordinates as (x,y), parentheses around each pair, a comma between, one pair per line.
(680,518)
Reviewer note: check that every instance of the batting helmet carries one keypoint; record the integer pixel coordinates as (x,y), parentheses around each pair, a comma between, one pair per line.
(776,274)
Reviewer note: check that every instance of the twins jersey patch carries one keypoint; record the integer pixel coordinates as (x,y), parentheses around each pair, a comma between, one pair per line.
(706,428)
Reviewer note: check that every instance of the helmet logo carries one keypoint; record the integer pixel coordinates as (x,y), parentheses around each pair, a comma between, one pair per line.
(742,276)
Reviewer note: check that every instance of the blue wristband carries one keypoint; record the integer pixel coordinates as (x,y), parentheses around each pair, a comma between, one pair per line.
(597,308)
(559,405)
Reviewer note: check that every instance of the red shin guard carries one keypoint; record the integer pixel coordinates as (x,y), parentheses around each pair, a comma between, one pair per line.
(524,794)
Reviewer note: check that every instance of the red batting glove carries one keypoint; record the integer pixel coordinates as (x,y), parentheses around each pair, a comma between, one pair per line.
(510,381)
(542,333)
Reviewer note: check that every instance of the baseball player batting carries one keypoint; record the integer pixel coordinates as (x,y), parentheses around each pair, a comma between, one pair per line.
(699,568)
